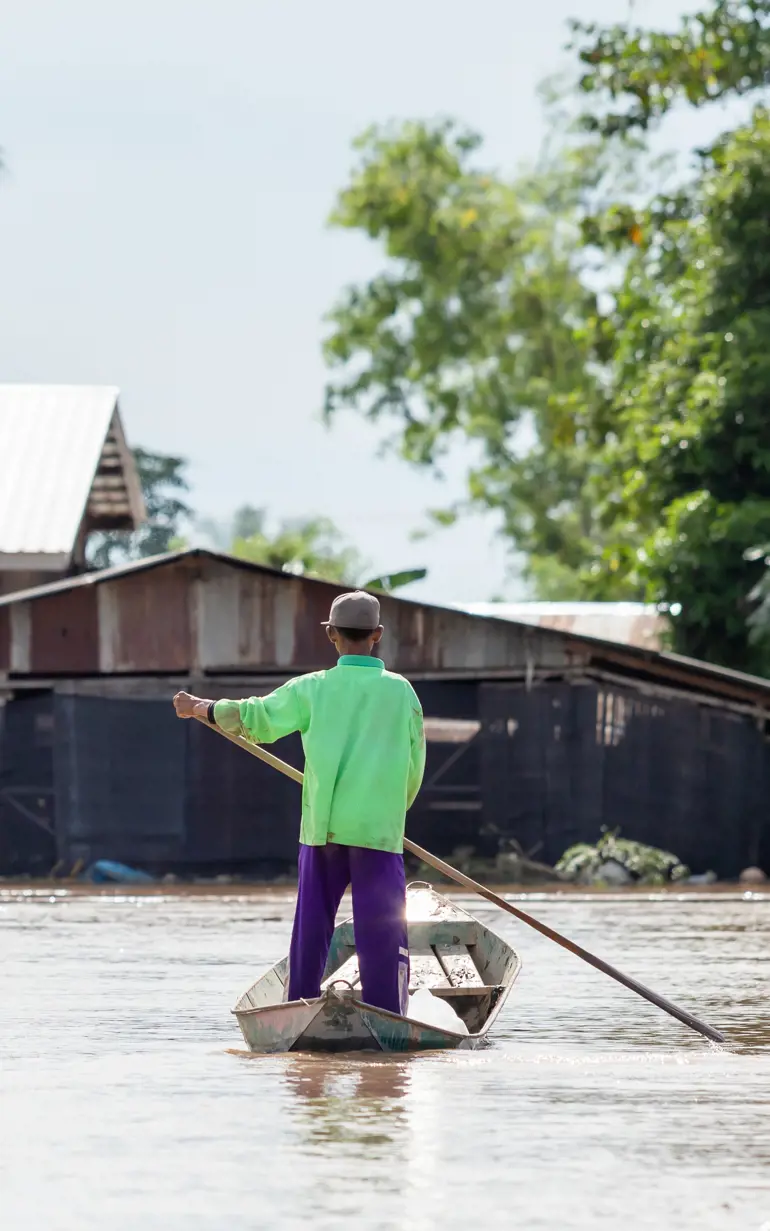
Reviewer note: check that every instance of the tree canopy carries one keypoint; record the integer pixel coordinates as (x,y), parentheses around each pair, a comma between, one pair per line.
(687,470)
(308,547)
(164,484)
(638,75)
(599,336)
(482,325)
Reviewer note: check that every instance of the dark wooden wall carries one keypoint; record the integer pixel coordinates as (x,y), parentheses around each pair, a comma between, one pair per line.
(561,761)
(86,777)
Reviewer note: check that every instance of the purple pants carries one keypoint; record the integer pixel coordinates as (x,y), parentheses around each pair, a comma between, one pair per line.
(379,922)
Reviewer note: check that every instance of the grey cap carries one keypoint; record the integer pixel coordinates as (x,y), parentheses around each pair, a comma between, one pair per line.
(356,610)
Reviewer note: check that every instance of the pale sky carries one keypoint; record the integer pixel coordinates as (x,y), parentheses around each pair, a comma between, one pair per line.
(170,166)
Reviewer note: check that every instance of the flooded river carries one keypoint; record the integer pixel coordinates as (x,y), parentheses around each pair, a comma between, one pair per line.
(124,1101)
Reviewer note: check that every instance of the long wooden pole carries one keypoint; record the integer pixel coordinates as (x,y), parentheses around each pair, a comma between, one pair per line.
(467,882)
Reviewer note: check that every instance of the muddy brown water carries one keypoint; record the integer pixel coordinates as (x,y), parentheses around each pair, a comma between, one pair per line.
(126,1100)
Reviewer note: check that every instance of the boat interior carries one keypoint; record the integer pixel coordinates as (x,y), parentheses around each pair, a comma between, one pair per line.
(450,953)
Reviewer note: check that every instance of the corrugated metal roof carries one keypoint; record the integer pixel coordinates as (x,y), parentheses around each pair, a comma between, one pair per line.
(636,624)
(51,442)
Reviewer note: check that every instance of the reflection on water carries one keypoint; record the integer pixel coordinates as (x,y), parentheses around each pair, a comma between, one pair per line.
(374,1082)
(126,1097)
(356,1102)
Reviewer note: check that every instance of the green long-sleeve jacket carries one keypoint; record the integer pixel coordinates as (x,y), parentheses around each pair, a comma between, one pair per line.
(362,731)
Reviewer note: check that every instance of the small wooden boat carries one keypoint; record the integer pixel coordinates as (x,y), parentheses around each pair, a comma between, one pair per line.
(450,952)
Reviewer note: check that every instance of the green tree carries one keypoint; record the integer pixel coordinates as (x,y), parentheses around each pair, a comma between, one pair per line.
(622,434)
(683,481)
(636,75)
(483,326)
(164,482)
(309,547)
(685,487)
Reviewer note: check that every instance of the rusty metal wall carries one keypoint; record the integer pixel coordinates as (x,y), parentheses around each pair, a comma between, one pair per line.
(248,621)
(201,613)
(311,607)
(195,615)
(12,580)
(145,621)
(64,628)
(252,620)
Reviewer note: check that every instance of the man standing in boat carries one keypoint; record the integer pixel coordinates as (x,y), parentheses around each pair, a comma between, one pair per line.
(362,732)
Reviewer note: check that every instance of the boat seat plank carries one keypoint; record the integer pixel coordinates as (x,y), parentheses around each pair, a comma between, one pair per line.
(458,965)
(472,993)
(424,932)
(425,970)
(440,966)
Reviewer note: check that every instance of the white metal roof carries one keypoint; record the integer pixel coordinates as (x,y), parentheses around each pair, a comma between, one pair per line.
(52,440)
(636,624)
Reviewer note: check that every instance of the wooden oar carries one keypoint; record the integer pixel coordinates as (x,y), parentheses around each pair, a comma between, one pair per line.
(454,874)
